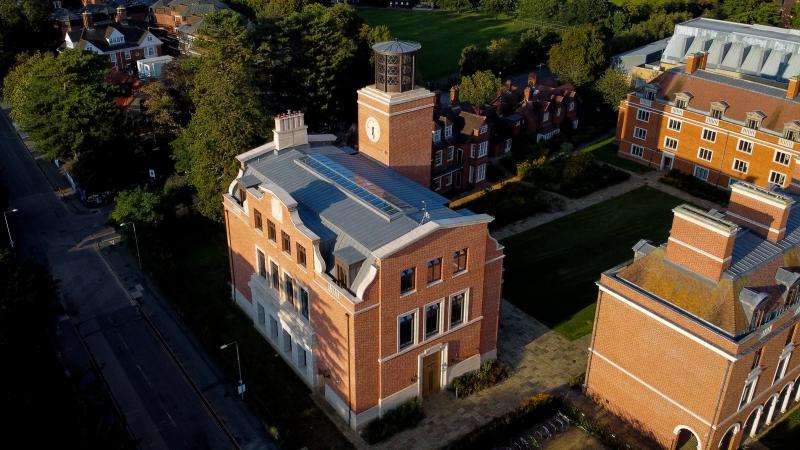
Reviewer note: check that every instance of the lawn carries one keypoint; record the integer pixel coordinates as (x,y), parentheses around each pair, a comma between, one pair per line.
(606,150)
(190,261)
(551,269)
(786,434)
(442,34)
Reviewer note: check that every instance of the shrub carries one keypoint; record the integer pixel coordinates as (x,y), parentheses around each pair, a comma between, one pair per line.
(513,201)
(696,187)
(527,167)
(404,416)
(489,374)
(493,173)
(593,178)
(576,165)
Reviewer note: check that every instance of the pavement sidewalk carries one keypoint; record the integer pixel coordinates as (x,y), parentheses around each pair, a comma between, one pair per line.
(210,382)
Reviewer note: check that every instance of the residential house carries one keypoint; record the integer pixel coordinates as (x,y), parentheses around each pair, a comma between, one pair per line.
(694,339)
(178,21)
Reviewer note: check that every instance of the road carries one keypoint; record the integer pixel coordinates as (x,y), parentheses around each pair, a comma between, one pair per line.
(152,388)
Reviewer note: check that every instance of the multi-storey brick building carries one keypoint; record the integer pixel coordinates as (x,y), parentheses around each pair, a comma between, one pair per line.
(729,112)
(364,281)
(122,43)
(694,339)
(178,21)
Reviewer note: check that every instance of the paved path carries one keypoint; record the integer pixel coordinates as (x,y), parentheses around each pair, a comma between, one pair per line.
(572,205)
(539,360)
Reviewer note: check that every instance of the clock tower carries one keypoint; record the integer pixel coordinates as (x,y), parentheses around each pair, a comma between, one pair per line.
(394,115)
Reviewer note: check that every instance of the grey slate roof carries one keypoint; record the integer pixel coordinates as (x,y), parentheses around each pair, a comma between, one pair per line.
(396,47)
(97,36)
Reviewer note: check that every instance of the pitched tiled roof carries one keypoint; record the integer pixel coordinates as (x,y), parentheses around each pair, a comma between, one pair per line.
(742,96)
(97,36)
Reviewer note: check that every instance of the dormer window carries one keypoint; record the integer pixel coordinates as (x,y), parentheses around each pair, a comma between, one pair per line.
(682,100)
(718,109)
(791,131)
(754,304)
(448,131)
(754,119)
(484,129)
(650,92)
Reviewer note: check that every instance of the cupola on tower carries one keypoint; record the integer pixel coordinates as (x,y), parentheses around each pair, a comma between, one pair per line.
(394,114)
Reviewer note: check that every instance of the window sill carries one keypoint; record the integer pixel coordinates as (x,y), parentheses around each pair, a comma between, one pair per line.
(432,336)
(259,232)
(459,273)
(434,283)
(407,293)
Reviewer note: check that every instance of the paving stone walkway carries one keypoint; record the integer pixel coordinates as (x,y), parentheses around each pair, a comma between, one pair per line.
(539,360)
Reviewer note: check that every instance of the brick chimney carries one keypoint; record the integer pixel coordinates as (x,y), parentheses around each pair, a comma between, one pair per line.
(703,60)
(454,95)
(693,62)
(763,211)
(533,78)
(794,87)
(290,130)
(526,94)
(701,241)
(88,20)
(122,15)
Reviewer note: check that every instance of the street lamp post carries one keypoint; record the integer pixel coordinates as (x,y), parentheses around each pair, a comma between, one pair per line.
(240,388)
(8,228)
(136,239)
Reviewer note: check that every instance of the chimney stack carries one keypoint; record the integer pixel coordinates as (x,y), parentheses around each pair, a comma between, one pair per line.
(693,62)
(794,87)
(122,15)
(454,95)
(88,21)
(526,94)
(763,211)
(701,241)
(703,60)
(290,130)
(533,78)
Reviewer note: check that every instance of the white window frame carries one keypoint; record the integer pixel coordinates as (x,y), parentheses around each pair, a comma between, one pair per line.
(471,174)
(671,139)
(642,115)
(509,142)
(672,121)
(464,309)
(266,263)
(787,155)
(545,116)
(451,152)
(414,330)
(704,170)
(283,287)
(571,106)
(269,275)
(483,149)
(113,57)
(437,136)
(748,145)
(151,51)
(773,174)
(700,152)
(287,351)
(127,54)
(480,173)
(640,131)
(749,394)
(439,324)
(302,365)
(483,129)
(437,183)
(261,314)
(437,158)
(448,180)
(746,165)
(448,131)
(299,305)
(780,372)
(634,148)
(274,328)
(712,135)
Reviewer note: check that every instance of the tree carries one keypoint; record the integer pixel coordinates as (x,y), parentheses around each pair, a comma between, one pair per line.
(501,55)
(539,10)
(765,12)
(614,86)
(473,59)
(579,55)
(494,7)
(796,16)
(62,102)
(228,118)
(136,205)
(576,12)
(161,110)
(24,26)
(479,88)
(534,43)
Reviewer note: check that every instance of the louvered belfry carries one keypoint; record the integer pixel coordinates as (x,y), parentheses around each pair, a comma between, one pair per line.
(395,65)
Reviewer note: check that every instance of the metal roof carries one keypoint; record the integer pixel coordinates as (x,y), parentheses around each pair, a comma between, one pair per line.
(396,47)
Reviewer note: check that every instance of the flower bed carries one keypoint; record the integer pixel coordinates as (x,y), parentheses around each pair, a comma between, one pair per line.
(696,187)
(404,416)
(489,374)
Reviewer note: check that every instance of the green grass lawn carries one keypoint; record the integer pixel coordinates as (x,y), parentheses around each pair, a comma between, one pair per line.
(786,434)
(606,150)
(551,269)
(442,34)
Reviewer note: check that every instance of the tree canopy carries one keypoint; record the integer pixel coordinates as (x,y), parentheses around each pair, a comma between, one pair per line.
(614,86)
(579,55)
(479,88)
(765,12)
(136,205)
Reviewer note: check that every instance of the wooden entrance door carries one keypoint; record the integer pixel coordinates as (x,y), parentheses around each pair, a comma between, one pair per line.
(431,373)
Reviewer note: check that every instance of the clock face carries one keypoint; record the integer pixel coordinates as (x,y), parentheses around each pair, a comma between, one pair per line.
(373,129)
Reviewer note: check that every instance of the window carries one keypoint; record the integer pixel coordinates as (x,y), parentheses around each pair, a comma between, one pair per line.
(747,393)
(545,116)
(127,54)
(777,178)
(471,176)
(261,315)
(257,220)
(483,149)
(407,280)
(757,358)
(459,261)
(650,95)
(302,359)
(437,183)
(271,234)
(745,146)
(681,103)
(716,113)
(457,179)
(637,151)
(790,335)
(481,174)
(434,270)
(302,295)
(670,143)
(704,154)
(674,124)
(643,115)
(286,243)
(261,263)
(789,133)
(450,153)
(448,131)
(301,255)
(782,158)
(432,320)
(113,58)
(437,136)
(508,145)
(437,158)
(740,166)
(288,288)
(405,331)
(781,370)
(709,135)
(571,106)
(484,129)
(273,328)
(448,180)
(752,123)
(275,275)
(639,133)
(150,51)
(341,276)
(701,173)
(287,341)
(457,309)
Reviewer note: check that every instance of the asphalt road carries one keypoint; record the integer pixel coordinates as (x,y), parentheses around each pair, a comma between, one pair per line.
(162,408)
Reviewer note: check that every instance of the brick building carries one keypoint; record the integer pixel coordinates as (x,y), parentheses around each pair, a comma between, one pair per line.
(121,42)
(364,281)
(178,21)
(694,339)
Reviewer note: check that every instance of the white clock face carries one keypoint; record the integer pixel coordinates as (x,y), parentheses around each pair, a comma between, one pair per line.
(373,129)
